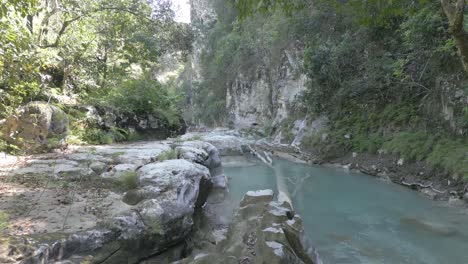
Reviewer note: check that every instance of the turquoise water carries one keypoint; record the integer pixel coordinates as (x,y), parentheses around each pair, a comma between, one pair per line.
(355,218)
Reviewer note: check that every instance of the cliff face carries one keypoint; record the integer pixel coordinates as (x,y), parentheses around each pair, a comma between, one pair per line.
(203,18)
(259,98)
(267,96)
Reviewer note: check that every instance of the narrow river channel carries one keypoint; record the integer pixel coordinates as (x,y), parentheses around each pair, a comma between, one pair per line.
(355,218)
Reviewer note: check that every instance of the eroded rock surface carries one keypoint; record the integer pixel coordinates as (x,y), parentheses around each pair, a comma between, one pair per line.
(228,142)
(105,204)
(263,231)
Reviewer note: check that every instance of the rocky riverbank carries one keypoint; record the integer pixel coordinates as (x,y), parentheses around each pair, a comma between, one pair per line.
(149,202)
(415,175)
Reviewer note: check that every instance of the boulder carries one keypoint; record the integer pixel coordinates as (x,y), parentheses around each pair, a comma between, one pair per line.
(36,126)
(178,180)
(465,197)
(227,145)
(148,124)
(206,154)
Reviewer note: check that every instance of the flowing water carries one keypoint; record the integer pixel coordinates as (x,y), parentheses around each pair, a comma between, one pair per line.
(355,218)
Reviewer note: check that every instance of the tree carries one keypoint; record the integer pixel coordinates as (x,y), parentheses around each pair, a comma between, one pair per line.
(82,46)
(455,11)
(376,12)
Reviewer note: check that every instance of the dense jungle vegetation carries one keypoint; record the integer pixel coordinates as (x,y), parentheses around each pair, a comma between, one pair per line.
(98,53)
(390,74)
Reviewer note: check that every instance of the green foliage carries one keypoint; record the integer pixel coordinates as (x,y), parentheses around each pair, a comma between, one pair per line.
(250,7)
(380,94)
(450,155)
(155,227)
(143,97)
(268,127)
(19,63)
(96,136)
(440,151)
(286,128)
(410,145)
(371,12)
(195,138)
(134,136)
(3,220)
(129,180)
(87,48)
(167,155)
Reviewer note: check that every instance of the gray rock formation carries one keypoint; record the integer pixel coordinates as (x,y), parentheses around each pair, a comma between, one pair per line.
(108,117)
(36,126)
(262,231)
(227,142)
(206,154)
(268,96)
(121,227)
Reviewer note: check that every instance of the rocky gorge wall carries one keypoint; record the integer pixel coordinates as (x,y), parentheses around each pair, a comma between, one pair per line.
(260,99)
(267,96)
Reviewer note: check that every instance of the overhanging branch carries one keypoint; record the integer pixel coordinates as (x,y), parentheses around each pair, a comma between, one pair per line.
(67,23)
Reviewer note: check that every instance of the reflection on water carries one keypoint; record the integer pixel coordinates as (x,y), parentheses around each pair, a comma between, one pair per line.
(354,218)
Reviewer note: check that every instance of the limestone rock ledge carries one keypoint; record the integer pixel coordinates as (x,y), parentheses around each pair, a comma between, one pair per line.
(263,231)
(147,220)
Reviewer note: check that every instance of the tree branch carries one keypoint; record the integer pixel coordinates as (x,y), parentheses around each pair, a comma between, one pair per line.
(67,23)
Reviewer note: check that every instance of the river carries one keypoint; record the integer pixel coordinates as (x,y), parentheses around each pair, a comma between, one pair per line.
(355,218)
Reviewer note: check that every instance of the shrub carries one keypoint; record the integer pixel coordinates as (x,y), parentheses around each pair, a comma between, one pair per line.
(195,138)
(451,156)
(410,145)
(167,155)
(129,180)
(268,127)
(96,136)
(142,97)
(3,220)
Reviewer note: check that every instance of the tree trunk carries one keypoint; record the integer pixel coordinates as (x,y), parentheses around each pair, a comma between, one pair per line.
(454,10)
(29,23)
(105,70)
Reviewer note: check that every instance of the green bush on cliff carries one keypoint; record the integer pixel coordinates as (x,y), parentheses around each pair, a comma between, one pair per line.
(410,145)
(450,155)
